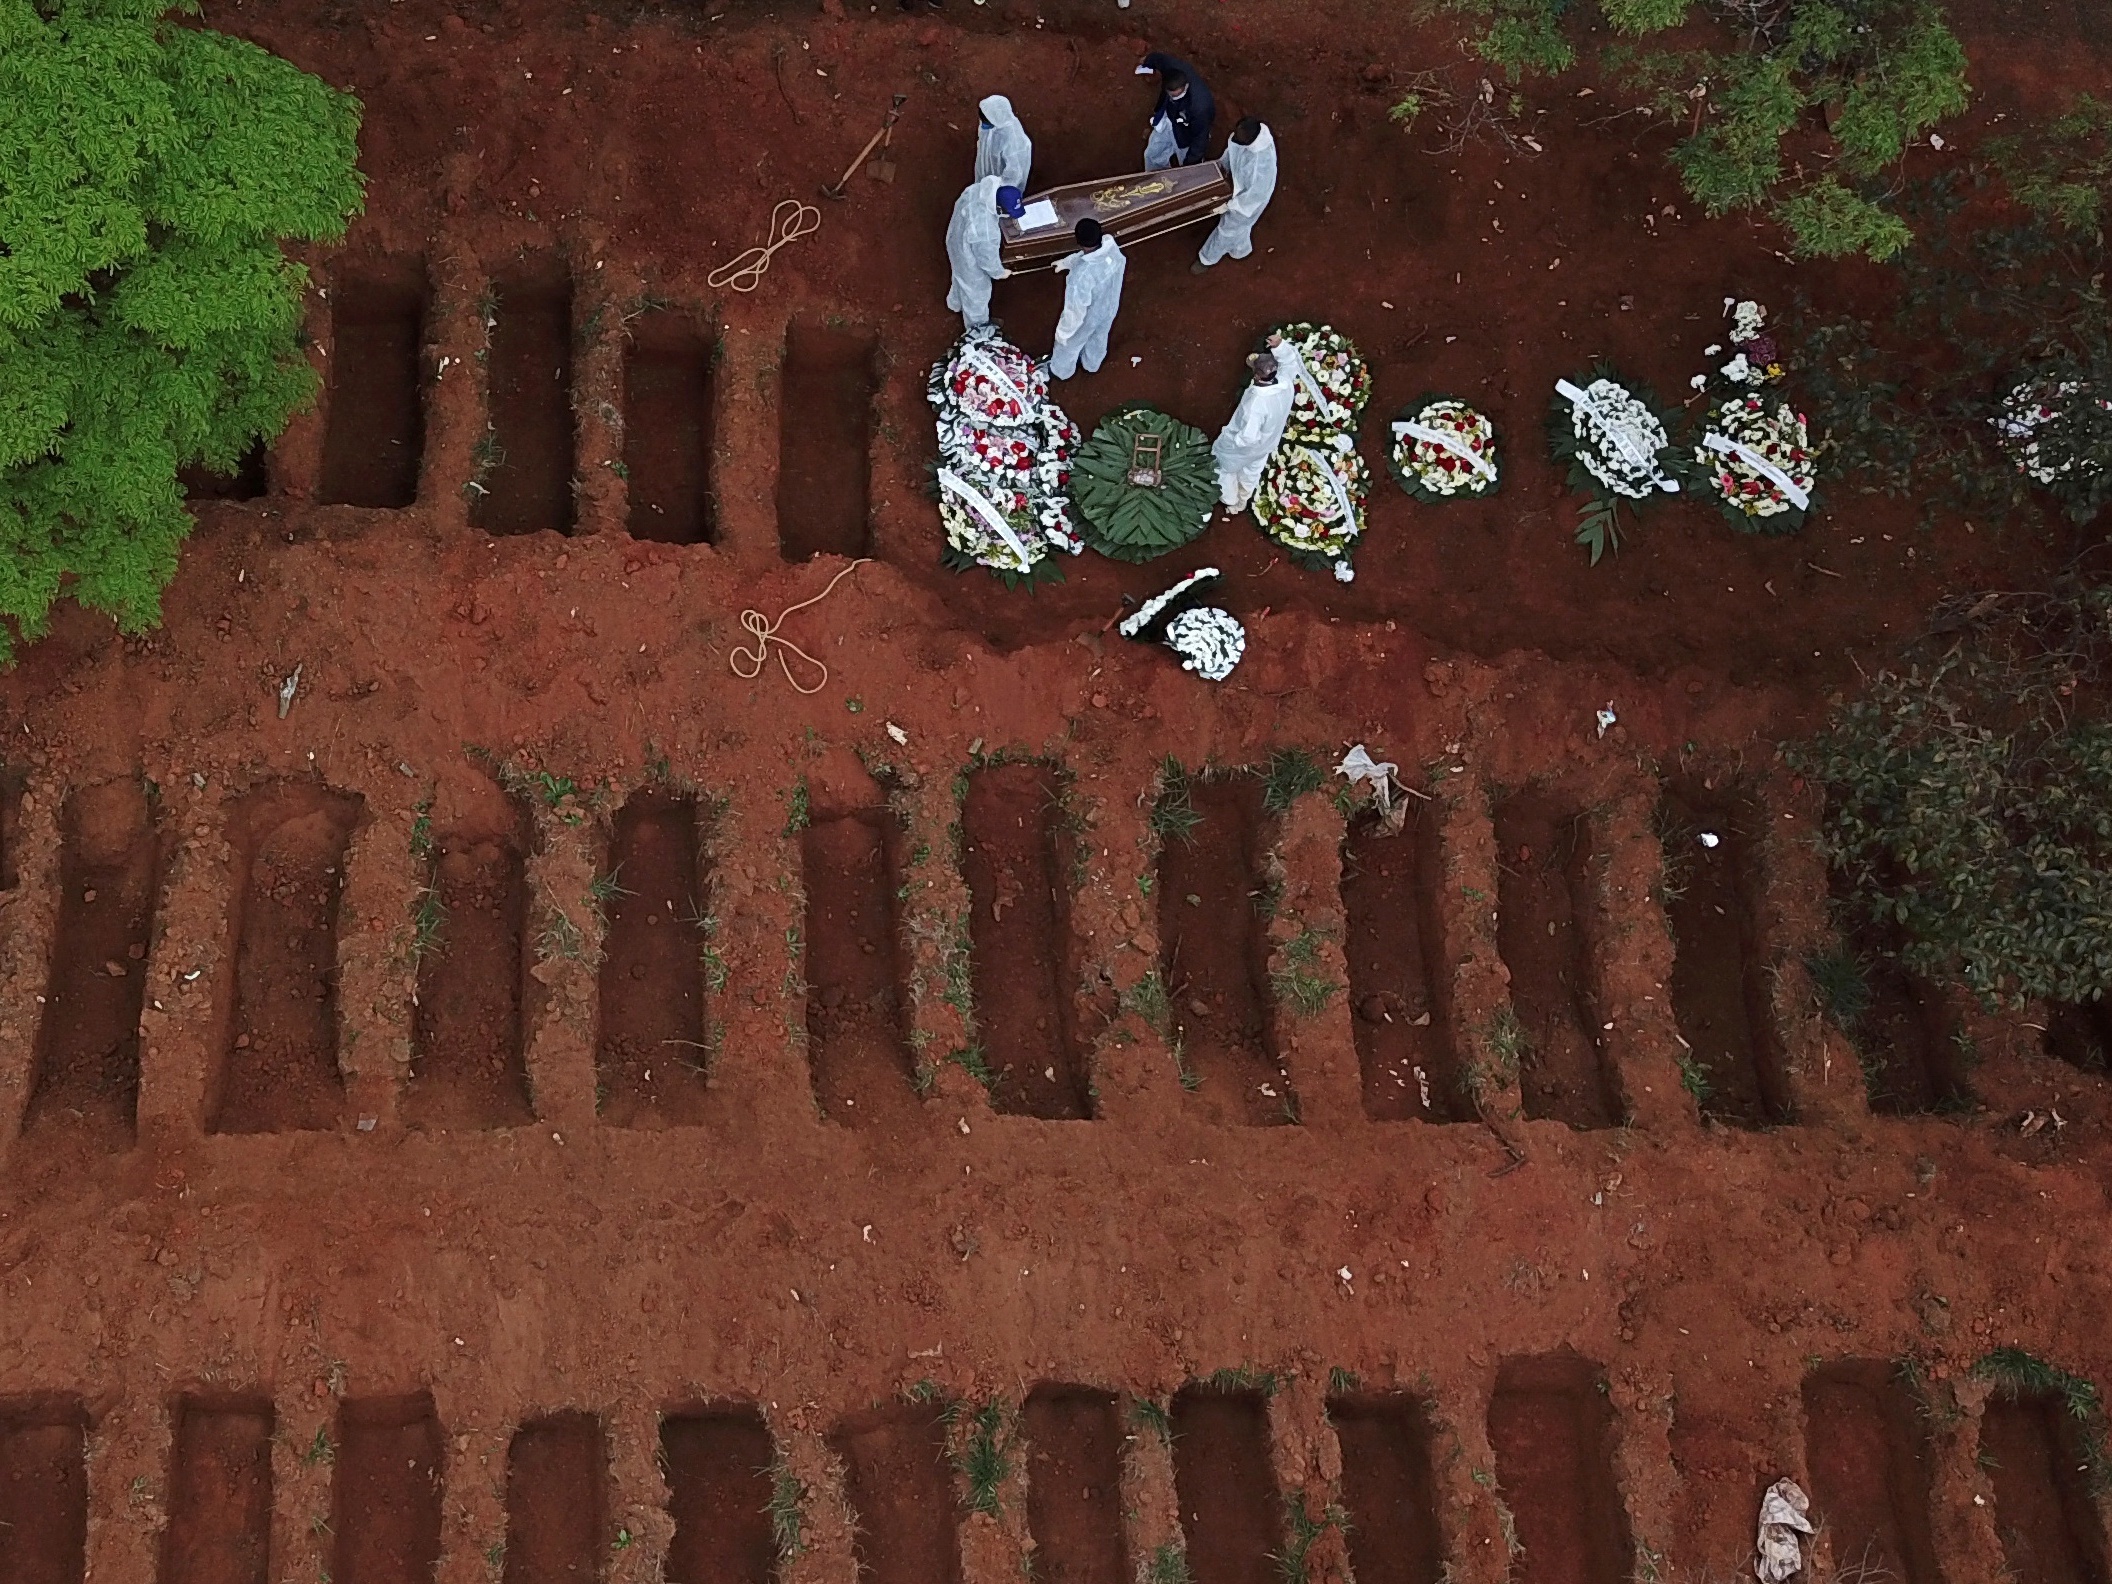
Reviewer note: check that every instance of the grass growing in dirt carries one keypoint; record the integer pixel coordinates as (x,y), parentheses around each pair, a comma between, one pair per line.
(788,1522)
(428,924)
(1173,815)
(2019,1376)
(1301,1530)
(1168,1565)
(796,813)
(971,1060)
(1150,1414)
(1695,1079)
(1842,985)
(984,1461)
(604,889)
(1294,980)
(1242,1377)
(1503,1039)
(1291,773)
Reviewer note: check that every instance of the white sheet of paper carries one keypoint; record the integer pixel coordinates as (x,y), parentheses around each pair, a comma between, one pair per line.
(1039,216)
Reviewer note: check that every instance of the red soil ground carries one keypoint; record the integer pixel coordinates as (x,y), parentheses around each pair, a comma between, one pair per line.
(673,1125)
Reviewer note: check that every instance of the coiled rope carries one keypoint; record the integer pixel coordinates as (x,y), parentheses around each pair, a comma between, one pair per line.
(789,221)
(764,632)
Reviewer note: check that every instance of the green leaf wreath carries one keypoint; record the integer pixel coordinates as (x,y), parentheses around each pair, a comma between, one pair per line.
(1128,522)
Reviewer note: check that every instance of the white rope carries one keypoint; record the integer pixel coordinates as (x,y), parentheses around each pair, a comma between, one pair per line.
(989,514)
(1449,442)
(1759,464)
(745,273)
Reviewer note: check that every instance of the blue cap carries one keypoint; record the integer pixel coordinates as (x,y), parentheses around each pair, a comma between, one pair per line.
(1009,200)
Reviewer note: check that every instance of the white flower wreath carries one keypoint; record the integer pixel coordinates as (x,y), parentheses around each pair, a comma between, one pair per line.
(1618,438)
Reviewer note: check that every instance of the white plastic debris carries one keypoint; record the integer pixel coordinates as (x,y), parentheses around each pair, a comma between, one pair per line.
(1936,141)
(1606,718)
(900,736)
(1358,765)
(1778,1553)
(287,689)
(1711,840)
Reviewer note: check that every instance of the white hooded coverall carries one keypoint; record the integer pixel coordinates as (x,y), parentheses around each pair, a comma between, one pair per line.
(971,246)
(1252,167)
(1090,298)
(1243,447)
(1003,149)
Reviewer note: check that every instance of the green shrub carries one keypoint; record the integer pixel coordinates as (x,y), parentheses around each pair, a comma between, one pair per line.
(2061,171)
(148,319)
(1886,70)
(1131,522)
(1971,802)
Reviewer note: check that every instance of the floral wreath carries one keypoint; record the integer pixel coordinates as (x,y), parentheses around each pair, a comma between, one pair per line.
(1339,373)
(2057,429)
(1311,503)
(1003,470)
(1209,640)
(1617,439)
(1453,458)
(1758,465)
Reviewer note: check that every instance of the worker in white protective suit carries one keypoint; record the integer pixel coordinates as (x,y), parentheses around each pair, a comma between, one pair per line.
(972,241)
(1002,147)
(1243,447)
(1250,160)
(1090,298)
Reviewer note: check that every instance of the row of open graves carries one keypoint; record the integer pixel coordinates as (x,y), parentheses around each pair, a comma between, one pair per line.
(528,406)
(293,957)
(1243,1479)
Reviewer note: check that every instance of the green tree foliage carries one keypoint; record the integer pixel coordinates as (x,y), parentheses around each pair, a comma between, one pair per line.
(1970,797)
(148,319)
(1883,71)
(2062,172)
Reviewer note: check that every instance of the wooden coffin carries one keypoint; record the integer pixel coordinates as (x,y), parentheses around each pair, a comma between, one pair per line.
(1129,208)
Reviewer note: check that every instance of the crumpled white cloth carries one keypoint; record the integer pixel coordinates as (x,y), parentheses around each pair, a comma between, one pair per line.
(1778,1553)
(1358,765)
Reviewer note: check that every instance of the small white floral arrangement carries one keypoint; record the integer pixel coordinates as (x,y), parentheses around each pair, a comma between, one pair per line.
(1210,641)
(1311,503)
(1444,450)
(1004,463)
(1758,463)
(1618,444)
(1337,386)
(1755,359)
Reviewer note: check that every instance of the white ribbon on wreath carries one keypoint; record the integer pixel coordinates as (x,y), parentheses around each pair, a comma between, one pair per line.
(1450,442)
(990,515)
(1759,464)
(1349,512)
(1642,464)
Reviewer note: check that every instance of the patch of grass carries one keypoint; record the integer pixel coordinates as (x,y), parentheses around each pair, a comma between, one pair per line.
(985,1460)
(797,814)
(1168,1565)
(1504,1039)
(926,1390)
(561,938)
(428,923)
(1695,1079)
(1301,1530)
(1289,775)
(1148,999)
(788,1519)
(2020,1376)
(604,889)
(319,1452)
(1841,982)
(1294,981)
(1242,1377)
(422,829)
(1150,1414)
(1342,1381)
(1173,815)
(1191,1080)
(971,1060)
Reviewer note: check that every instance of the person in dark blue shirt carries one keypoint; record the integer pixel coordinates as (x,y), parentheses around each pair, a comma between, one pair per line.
(1180,122)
